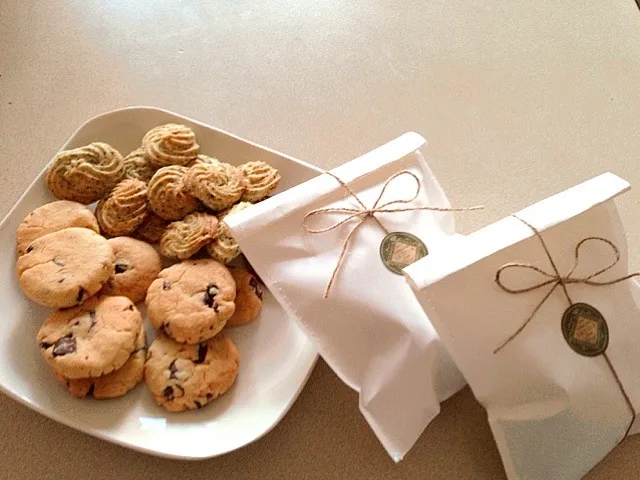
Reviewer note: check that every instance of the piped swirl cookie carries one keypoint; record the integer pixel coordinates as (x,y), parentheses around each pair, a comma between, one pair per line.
(170,144)
(218,186)
(123,209)
(186,237)
(52,217)
(224,248)
(191,301)
(116,383)
(152,228)
(64,268)
(92,339)
(138,166)
(85,174)
(169,197)
(182,377)
(261,180)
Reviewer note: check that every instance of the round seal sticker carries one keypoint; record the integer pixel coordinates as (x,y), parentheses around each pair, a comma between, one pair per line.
(399,249)
(585,330)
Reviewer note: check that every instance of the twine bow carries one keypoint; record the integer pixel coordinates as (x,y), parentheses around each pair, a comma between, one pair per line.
(556,279)
(362,212)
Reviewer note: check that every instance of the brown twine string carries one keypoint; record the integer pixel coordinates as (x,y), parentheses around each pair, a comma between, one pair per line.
(361,213)
(556,279)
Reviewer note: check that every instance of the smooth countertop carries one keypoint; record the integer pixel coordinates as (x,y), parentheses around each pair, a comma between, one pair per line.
(518,100)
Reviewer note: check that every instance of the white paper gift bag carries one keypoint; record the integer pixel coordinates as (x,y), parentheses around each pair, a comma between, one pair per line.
(539,314)
(370,329)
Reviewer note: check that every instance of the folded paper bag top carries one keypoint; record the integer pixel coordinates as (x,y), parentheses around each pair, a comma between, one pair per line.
(550,351)
(370,329)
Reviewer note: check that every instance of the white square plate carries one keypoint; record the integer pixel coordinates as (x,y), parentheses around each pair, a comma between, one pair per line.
(276,356)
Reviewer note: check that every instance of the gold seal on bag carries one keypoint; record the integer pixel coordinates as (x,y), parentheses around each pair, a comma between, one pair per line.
(585,330)
(400,249)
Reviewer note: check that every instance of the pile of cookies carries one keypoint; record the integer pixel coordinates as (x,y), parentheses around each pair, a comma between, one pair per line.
(94,268)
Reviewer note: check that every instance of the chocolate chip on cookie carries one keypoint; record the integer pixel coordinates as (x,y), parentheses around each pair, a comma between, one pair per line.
(136,265)
(63,268)
(183,377)
(116,383)
(52,217)
(191,301)
(92,339)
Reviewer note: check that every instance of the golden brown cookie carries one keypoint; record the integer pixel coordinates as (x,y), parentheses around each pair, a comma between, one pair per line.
(203,159)
(64,268)
(85,174)
(248,298)
(170,144)
(136,265)
(191,301)
(183,377)
(92,339)
(116,383)
(186,237)
(123,209)
(218,186)
(138,166)
(224,248)
(261,180)
(52,217)
(169,197)
(152,228)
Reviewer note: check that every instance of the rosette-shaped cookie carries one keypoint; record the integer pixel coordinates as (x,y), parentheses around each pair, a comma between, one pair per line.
(203,159)
(152,228)
(169,197)
(85,174)
(138,166)
(170,144)
(261,180)
(185,238)
(223,247)
(218,186)
(124,209)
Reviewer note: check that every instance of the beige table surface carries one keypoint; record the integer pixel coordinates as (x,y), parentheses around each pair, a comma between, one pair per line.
(519,100)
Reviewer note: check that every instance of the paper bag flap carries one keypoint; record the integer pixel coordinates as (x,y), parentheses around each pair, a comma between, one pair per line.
(464,251)
(249,221)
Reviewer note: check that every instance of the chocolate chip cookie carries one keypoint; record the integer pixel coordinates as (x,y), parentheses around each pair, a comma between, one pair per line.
(168,194)
(248,298)
(136,265)
(186,237)
(183,377)
(191,301)
(170,144)
(64,268)
(92,339)
(52,217)
(218,186)
(85,174)
(223,247)
(261,180)
(116,383)
(123,209)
